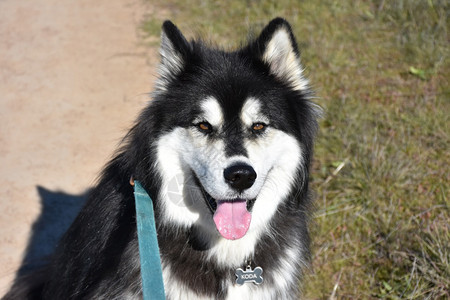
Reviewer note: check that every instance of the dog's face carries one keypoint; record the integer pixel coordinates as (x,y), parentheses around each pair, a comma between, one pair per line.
(232,146)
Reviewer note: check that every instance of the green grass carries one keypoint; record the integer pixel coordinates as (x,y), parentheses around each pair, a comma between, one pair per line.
(381,170)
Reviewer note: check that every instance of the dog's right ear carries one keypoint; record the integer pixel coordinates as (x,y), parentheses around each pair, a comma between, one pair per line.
(174,51)
(276,46)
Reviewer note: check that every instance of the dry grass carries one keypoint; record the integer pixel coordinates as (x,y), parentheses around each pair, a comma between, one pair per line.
(381,169)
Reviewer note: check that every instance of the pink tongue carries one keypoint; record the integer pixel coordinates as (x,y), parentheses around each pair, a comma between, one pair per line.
(232,219)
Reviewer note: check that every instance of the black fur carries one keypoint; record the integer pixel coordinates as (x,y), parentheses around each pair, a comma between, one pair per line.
(98,256)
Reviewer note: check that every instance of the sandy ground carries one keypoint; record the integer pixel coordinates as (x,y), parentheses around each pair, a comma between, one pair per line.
(72,79)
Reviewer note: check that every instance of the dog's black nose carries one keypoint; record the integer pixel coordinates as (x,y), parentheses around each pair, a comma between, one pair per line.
(240,177)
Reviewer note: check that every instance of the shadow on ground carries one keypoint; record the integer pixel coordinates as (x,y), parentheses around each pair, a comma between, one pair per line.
(58,212)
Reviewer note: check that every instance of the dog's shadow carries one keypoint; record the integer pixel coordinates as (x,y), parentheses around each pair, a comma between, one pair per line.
(59,209)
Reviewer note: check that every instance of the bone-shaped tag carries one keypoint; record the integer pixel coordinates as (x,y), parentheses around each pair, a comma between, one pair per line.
(249,275)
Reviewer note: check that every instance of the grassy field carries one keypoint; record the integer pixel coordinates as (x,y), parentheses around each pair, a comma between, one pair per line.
(380,70)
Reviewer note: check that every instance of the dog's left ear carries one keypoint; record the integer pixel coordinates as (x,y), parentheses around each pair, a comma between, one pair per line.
(277,47)
(174,51)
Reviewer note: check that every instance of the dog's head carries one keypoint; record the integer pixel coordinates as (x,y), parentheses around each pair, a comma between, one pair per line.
(235,130)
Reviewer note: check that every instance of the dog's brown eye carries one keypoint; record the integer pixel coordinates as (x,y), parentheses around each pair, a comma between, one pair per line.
(205,127)
(258,126)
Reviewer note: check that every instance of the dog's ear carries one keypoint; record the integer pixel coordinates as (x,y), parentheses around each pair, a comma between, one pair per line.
(174,52)
(276,46)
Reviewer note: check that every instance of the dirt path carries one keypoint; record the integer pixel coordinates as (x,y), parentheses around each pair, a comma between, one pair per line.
(72,79)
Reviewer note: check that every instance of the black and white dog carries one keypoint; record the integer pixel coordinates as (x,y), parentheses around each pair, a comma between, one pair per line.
(224,150)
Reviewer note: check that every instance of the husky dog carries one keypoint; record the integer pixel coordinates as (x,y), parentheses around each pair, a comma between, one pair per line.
(224,150)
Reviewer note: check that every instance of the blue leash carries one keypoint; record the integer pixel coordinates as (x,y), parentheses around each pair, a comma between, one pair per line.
(151,271)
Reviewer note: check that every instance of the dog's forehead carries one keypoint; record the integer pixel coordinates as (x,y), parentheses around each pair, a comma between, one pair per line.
(214,111)
(231,90)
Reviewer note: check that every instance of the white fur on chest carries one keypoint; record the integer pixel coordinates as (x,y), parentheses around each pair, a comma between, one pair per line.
(280,288)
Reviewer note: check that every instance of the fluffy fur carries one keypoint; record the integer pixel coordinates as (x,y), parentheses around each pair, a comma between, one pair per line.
(261,84)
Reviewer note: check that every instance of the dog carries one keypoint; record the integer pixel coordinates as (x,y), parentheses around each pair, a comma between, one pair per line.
(224,150)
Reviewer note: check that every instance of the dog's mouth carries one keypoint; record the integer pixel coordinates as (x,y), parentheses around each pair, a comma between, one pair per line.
(231,217)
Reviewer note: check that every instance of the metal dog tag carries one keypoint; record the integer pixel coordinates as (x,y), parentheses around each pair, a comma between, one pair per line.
(249,275)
